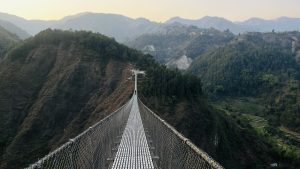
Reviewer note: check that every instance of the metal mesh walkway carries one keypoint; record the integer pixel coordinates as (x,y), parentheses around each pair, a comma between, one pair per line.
(133,151)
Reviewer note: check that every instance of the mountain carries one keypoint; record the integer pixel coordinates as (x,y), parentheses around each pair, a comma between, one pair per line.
(251,54)
(120,27)
(7,41)
(177,45)
(30,26)
(58,83)
(14,29)
(280,25)
(255,79)
(209,22)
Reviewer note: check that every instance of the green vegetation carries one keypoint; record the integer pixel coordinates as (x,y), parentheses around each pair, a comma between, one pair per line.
(254,79)
(248,114)
(270,80)
(246,67)
(258,65)
(162,82)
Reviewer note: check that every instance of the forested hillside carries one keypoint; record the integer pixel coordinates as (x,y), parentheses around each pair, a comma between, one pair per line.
(255,79)
(255,65)
(54,86)
(251,61)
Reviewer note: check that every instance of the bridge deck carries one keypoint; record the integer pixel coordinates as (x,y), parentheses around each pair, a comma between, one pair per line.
(133,151)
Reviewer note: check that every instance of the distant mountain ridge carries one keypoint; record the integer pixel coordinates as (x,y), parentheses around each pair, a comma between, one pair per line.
(208,22)
(31,26)
(14,29)
(7,41)
(119,27)
(280,24)
(124,28)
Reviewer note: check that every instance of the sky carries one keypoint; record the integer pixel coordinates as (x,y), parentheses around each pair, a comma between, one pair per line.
(155,10)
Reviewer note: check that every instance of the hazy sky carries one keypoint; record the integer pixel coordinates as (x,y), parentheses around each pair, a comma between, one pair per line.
(156,10)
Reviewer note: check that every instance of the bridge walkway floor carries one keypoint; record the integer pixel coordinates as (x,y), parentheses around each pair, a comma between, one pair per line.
(133,151)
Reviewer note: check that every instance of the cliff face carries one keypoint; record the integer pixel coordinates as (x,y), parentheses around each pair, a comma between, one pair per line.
(52,93)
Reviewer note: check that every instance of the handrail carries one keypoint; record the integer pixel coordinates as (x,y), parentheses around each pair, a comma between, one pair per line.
(185,140)
(68,144)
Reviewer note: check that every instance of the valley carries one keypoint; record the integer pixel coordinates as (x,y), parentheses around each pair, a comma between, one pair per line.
(234,93)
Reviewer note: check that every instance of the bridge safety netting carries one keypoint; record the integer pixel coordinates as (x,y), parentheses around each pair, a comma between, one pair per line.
(171,149)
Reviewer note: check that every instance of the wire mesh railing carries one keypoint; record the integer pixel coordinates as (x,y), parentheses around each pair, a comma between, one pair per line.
(90,149)
(172,149)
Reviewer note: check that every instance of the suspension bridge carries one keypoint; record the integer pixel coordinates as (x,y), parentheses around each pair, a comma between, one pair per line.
(133,137)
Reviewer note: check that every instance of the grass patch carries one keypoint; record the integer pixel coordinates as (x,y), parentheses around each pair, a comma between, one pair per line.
(256,122)
(244,105)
